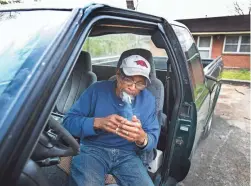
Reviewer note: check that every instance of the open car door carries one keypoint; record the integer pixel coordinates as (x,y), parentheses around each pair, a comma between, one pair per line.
(182,128)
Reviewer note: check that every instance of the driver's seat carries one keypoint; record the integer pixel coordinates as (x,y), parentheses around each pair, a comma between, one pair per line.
(80,79)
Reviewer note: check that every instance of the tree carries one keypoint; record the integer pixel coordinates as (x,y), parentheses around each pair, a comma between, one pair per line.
(137,4)
(8,15)
(240,10)
(3,2)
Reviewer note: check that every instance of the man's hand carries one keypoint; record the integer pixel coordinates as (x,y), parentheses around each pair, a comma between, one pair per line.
(132,131)
(129,130)
(109,123)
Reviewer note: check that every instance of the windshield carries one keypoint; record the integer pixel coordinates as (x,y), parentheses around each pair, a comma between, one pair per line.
(106,49)
(24,36)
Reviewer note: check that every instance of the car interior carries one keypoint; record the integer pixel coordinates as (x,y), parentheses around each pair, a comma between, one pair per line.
(55,167)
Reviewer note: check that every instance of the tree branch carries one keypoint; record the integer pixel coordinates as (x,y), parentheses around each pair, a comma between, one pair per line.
(238,9)
(137,4)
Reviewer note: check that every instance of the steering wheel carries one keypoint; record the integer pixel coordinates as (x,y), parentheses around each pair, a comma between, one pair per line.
(59,143)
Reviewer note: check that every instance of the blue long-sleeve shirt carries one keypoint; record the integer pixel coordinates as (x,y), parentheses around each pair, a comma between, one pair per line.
(100,100)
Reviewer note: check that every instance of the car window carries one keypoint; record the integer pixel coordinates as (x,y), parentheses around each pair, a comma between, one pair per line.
(193,58)
(106,49)
(24,36)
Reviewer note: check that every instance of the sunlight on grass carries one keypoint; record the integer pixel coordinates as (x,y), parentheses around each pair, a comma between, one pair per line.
(236,74)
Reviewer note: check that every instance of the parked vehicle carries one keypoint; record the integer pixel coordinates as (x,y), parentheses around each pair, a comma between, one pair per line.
(43,72)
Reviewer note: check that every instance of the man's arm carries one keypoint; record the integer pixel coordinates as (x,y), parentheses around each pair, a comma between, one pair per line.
(145,136)
(152,129)
(78,120)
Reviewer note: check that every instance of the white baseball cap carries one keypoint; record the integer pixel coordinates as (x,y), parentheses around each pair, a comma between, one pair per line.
(136,65)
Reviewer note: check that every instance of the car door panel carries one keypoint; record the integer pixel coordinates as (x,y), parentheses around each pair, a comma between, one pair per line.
(28,116)
(194,123)
(202,105)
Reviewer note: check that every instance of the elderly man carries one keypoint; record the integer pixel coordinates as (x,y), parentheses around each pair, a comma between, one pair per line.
(110,135)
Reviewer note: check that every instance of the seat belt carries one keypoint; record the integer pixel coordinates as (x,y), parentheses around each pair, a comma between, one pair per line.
(167,86)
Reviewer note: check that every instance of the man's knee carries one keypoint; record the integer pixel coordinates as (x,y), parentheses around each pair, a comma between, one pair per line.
(86,170)
(136,176)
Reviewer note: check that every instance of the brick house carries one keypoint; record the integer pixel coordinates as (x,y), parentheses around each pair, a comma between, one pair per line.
(227,36)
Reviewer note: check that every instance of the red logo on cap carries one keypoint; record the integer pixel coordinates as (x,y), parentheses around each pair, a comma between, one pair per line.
(141,63)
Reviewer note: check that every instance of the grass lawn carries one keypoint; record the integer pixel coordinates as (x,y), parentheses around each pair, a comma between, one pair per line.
(236,74)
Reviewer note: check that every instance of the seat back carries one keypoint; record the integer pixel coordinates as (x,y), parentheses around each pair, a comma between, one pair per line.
(80,79)
(156,87)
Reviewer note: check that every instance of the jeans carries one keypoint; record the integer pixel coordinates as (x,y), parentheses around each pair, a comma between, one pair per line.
(90,166)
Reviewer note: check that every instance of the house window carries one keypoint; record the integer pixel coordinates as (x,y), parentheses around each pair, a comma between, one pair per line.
(204,44)
(237,44)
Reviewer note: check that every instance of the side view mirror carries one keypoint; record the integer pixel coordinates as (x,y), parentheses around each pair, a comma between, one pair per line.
(211,78)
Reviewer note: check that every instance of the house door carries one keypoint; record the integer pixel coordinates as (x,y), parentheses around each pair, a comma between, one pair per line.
(204,44)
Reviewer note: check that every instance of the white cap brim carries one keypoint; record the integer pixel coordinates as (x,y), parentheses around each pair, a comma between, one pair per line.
(129,71)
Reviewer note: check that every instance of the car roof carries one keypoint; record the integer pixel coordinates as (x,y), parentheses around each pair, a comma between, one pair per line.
(46,5)
(67,6)
(24,6)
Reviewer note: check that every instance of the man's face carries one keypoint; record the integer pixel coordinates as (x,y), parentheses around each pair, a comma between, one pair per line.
(132,85)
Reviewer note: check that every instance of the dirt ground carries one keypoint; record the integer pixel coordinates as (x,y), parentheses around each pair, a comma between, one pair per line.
(223,159)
